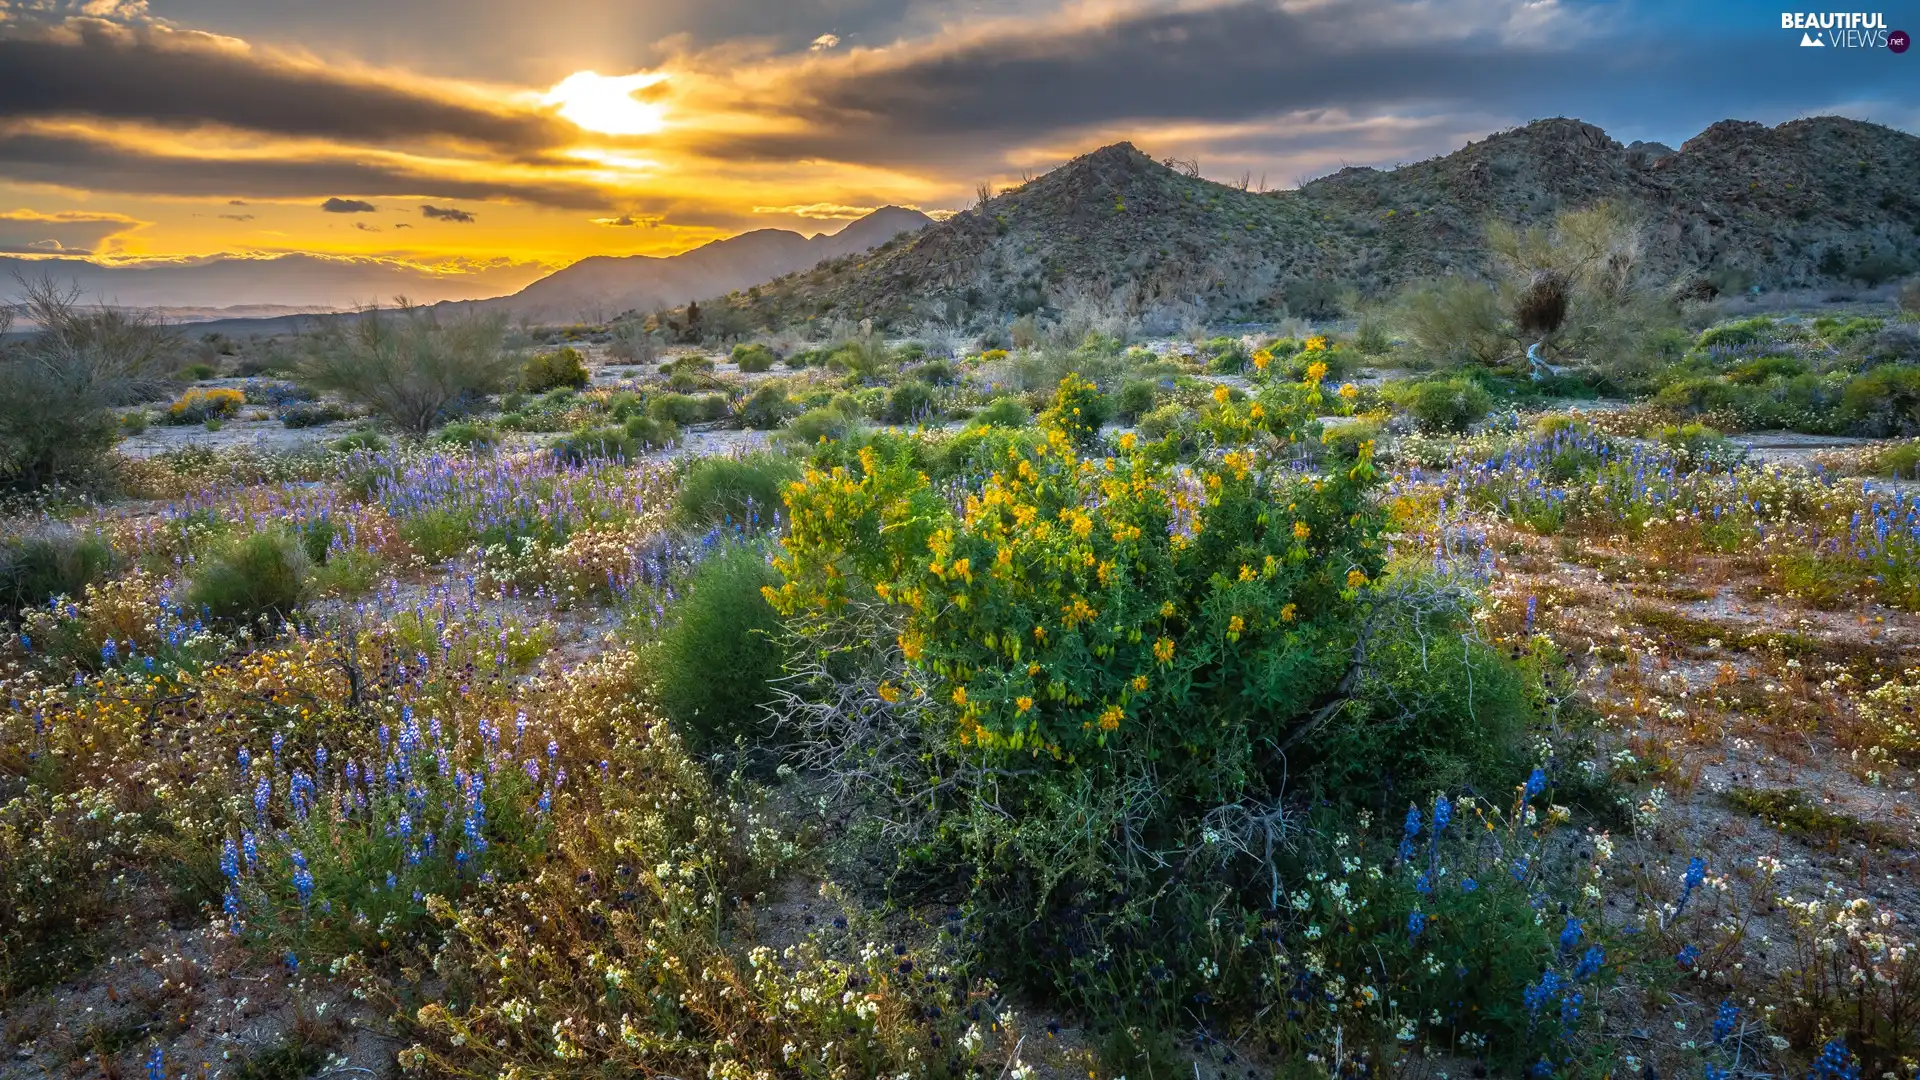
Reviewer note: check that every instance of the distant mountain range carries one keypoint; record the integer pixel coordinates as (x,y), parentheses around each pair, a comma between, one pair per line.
(237,288)
(601,286)
(1114,231)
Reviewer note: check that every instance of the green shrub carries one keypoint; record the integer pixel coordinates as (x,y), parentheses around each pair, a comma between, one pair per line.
(57,561)
(829,422)
(1452,404)
(718,489)
(308,414)
(1840,333)
(1455,322)
(805,358)
(438,533)
(1344,441)
(262,574)
(909,402)
(674,408)
(594,443)
(1136,398)
(1754,372)
(1697,446)
(766,408)
(135,422)
(1226,356)
(364,439)
(754,358)
(550,371)
(1742,332)
(651,433)
(413,368)
(1001,412)
(1883,402)
(719,653)
(469,434)
(935,373)
(625,403)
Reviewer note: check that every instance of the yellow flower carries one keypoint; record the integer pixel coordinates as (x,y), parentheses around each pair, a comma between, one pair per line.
(1127,439)
(883,589)
(1287,613)
(1221,394)
(1022,703)
(1355,579)
(1301,530)
(1139,683)
(1316,343)
(1349,391)
(1316,371)
(959,695)
(1246,572)
(889,693)
(1261,359)
(1110,718)
(910,646)
(1236,624)
(1163,650)
(1166,609)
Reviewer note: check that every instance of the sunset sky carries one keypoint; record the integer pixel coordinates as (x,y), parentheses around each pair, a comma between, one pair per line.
(492,140)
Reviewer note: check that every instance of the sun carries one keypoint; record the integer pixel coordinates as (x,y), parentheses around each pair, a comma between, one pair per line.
(606,103)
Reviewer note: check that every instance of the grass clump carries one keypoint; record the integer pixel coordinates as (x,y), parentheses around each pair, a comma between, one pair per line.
(1450,404)
(57,561)
(719,653)
(261,574)
(722,489)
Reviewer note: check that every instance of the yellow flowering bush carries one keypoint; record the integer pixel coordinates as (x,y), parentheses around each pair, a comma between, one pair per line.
(200,404)
(1066,604)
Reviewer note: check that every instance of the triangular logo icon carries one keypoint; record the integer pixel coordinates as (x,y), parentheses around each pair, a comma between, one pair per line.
(1808,41)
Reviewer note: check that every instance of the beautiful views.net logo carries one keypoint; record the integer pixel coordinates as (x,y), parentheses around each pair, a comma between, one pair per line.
(1844,30)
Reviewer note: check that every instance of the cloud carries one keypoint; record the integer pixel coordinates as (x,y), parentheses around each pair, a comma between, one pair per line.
(824,42)
(629,221)
(93,161)
(237,217)
(446,213)
(73,232)
(821,210)
(348,206)
(87,67)
(364,227)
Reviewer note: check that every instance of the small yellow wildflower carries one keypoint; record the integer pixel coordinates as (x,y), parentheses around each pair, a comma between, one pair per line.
(1301,530)
(959,695)
(1316,343)
(1110,718)
(1287,613)
(1355,579)
(1349,391)
(1221,394)
(889,693)
(1163,650)
(1166,609)
(1236,624)
(1022,703)
(1316,371)
(1139,683)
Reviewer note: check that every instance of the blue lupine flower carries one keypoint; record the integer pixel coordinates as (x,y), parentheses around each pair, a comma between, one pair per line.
(1416,923)
(1536,782)
(1413,821)
(1724,1020)
(1715,1072)
(1589,965)
(1424,884)
(157,1064)
(1570,936)
(1468,885)
(1835,1062)
(1570,1008)
(229,859)
(1687,956)
(1520,868)
(302,877)
(1442,815)
(1691,880)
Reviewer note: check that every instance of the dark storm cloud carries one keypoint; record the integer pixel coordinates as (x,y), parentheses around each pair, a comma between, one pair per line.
(945,101)
(348,206)
(88,68)
(446,213)
(99,165)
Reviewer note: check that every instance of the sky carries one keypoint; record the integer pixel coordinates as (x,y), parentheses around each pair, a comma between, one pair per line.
(482,143)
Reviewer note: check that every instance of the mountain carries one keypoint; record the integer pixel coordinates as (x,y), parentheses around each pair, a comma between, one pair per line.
(605,285)
(1114,231)
(225,286)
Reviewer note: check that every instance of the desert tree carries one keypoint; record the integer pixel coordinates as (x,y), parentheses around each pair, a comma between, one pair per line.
(60,383)
(407,365)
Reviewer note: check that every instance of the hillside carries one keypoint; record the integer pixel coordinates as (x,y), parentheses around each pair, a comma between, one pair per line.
(1790,206)
(605,285)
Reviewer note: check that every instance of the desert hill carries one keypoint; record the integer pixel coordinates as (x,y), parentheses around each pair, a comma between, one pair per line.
(1741,204)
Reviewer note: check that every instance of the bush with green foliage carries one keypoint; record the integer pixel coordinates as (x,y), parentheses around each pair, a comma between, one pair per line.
(1455,322)
(1883,402)
(753,358)
(552,370)
(60,384)
(1451,404)
(262,574)
(469,434)
(602,442)
(412,368)
(909,402)
(766,408)
(1137,398)
(1001,412)
(721,489)
(308,414)
(720,653)
(1079,410)
(828,422)
(650,433)
(55,561)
